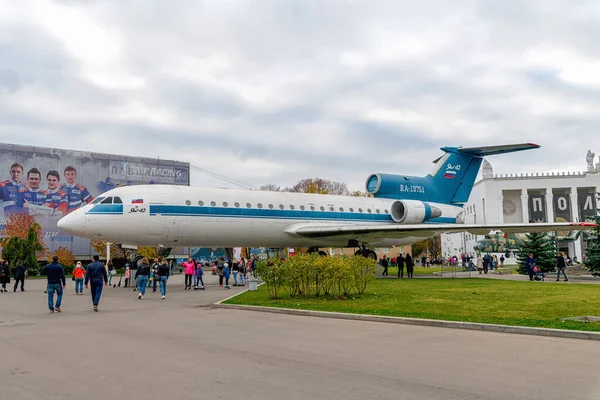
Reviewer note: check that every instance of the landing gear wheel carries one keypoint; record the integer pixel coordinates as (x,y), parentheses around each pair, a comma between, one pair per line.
(371,254)
(358,253)
(322,253)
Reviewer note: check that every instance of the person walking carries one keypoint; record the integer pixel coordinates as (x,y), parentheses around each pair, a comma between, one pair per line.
(55,274)
(162,273)
(242,272)
(529,264)
(79,275)
(198,277)
(127,276)
(502,261)
(220,268)
(155,278)
(95,276)
(189,273)
(111,272)
(143,274)
(385,264)
(226,275)
(4,275)
(410,264)
(400,261)
(19,276)
(561,267)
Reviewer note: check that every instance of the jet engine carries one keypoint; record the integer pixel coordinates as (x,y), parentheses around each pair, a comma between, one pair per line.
(413,211)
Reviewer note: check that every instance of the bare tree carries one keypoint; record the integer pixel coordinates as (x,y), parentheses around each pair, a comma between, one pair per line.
(320,185)
(270,187)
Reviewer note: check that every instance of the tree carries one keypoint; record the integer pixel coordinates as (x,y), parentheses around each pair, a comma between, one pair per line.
(270,187)
(147,251)
(419,248)
(358,193)
(65,256)
(17,249)
(593,249)
(18,225)
(319,185)
(543,249)
(434,246)
(116,251)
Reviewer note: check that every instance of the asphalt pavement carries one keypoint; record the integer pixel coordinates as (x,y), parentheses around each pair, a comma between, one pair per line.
(181,348)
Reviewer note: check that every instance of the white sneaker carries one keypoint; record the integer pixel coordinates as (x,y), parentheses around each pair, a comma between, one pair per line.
(139,295)
(162,298)
(142,297)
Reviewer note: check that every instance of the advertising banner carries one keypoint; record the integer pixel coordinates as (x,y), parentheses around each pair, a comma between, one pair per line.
(50,183)
(587,206)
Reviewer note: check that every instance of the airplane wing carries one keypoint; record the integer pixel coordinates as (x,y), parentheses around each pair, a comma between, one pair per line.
(378,231)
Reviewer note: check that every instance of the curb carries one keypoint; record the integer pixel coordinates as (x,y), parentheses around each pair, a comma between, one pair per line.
(561,333)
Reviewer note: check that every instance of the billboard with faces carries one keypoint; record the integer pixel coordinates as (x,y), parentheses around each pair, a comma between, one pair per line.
(49,183)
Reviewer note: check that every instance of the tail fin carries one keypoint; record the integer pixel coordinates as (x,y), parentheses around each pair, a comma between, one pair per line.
(451,180)
(455,172)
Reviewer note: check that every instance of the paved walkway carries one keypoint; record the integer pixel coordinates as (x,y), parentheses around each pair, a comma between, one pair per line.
(179,349)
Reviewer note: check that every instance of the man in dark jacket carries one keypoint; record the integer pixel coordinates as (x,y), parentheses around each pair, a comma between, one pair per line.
(560,267)
(384,263)
(56,283)
(529,264)
(400,262)
(95,274)
(19,276)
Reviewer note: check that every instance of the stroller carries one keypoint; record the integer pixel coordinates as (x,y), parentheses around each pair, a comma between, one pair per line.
(539,275)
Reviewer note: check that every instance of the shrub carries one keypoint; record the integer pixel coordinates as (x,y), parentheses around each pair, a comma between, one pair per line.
(310,274)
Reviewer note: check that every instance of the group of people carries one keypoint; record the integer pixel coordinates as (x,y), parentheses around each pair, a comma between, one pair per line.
(94,276)
(535,272)
(147,276)
(18,273)
(399,261)
(486,263)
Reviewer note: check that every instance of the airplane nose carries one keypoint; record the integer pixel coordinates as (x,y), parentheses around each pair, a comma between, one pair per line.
(70,223)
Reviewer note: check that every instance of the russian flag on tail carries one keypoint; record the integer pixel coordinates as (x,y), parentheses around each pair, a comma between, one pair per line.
(449,174)
(137,201)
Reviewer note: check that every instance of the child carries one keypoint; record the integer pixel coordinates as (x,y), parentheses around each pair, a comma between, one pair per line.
(199,274)
(226,275)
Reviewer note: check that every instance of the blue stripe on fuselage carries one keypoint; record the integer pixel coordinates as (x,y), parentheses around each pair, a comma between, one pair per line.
(197,211)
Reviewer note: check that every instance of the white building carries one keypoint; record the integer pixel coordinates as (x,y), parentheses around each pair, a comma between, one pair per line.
(522,198)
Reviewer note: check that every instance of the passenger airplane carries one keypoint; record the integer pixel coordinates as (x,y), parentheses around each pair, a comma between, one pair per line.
(404,210)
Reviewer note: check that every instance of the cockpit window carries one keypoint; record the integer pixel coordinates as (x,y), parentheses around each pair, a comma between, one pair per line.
(107,200)
(117,200)
(98,200)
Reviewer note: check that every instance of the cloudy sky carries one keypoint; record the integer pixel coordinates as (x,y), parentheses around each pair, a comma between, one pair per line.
(273,91)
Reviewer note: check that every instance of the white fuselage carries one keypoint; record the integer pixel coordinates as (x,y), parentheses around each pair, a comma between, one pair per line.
(175,216)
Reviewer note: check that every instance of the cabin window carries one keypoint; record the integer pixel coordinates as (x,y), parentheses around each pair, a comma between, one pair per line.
(225,204)
(369,210)
(107,200)
(351,209)
(98,200)
(237,205)
(271,206)
(188,203)
(377,211)
(360,210)
(302,208)
(212,203)
(292,207)
(342,209)
(200,203)
(312,208)
(281,207)
(331,208)
(322,208)
(248,205)
(259,205)
(386,211)
(117,200)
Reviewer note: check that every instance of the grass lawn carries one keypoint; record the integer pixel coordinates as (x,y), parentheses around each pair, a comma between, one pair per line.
(393,271)
(535,304)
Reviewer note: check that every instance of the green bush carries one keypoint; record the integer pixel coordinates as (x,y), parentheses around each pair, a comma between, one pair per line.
(310,274)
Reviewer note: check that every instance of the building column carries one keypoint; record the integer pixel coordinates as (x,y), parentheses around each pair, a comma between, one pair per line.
(501,209)
(525,205)
(549,206)
(574,205)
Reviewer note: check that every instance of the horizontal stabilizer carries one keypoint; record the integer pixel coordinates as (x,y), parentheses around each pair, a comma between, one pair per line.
(493,150)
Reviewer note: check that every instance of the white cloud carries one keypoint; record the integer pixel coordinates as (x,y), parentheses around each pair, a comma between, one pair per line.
(271,91)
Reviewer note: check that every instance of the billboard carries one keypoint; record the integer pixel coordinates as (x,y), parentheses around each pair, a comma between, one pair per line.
(50,183)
